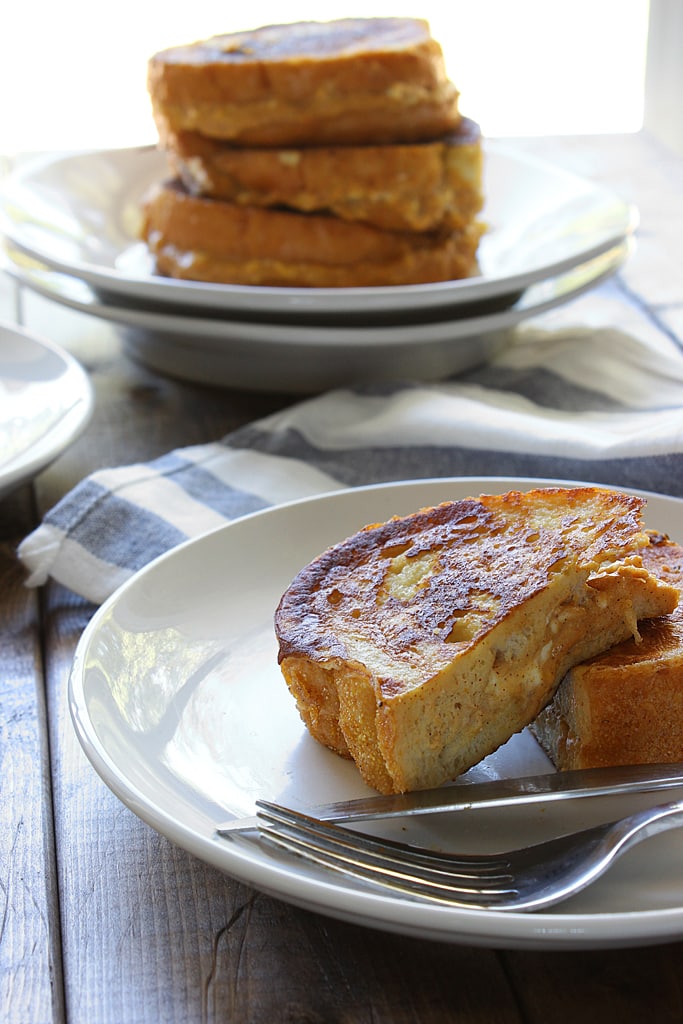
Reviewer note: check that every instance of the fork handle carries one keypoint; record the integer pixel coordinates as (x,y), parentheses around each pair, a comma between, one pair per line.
(644,824)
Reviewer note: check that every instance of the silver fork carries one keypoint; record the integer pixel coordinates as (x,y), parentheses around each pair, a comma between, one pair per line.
(518,880)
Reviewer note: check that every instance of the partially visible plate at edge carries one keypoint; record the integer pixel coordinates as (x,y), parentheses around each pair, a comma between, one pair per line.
(45,402)
(179,704)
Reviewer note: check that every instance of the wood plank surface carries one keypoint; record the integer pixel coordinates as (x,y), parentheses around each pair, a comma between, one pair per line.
(30,946)
(631,986)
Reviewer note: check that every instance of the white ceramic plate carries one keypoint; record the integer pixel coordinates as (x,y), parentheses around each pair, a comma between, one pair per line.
(179,704)
(80,214)
(45,402)
(304,358)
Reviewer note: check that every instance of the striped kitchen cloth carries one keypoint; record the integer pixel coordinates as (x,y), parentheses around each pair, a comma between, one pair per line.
(591,405)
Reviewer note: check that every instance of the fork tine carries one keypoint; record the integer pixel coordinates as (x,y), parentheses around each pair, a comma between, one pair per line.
(358,868)
(480,866)
(391,865)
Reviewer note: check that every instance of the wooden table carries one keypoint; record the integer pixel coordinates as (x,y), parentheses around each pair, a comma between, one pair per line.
(103,920)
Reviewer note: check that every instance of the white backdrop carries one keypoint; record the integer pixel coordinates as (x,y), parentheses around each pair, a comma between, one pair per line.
(72,75)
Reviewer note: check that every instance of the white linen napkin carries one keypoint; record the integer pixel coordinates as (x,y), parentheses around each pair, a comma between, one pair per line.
(592,405)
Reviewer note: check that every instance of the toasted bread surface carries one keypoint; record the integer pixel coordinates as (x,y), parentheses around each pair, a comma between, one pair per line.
(426,186)
(350,81)
(625,706)
(420,645)
(211,240)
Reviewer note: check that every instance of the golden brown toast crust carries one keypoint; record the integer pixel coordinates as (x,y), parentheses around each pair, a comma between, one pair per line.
(210,240)
(427,186)
(350,81)
(625,706)
(419,645)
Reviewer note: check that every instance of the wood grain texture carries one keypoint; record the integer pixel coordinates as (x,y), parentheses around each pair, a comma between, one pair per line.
(30,951)
(621,986)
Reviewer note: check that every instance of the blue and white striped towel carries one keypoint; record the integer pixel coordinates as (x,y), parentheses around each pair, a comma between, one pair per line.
(573,404)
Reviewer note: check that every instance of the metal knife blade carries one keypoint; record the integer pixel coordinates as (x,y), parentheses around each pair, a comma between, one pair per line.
(466,795)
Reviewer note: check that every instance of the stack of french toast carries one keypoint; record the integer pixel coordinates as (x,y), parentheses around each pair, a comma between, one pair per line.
(420,645)
(314,154)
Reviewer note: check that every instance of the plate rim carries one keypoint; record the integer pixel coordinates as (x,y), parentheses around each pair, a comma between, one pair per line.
(54,285)
(337,899)
(304,300)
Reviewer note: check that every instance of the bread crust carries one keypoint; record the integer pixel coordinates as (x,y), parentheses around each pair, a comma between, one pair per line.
(420,645)
(427,186)
(210,240)
(625,706)
(349,81)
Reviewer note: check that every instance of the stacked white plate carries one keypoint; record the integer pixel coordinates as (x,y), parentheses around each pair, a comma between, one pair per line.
(71,233)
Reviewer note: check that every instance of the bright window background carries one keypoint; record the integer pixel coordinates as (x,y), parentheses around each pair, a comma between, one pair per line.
(73,76)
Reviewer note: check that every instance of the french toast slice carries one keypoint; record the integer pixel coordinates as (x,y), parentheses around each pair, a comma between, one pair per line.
(418,646)
(350,81)
(421,186)
(624,706)
(200,239)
